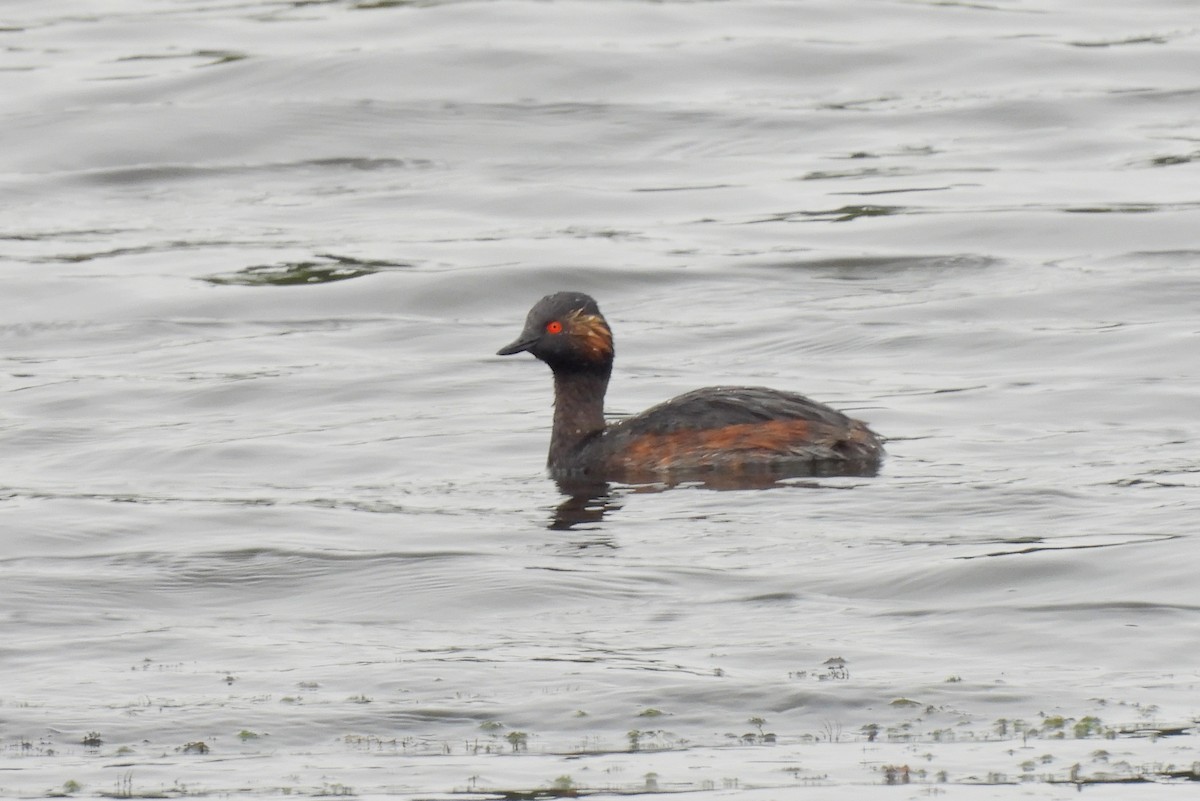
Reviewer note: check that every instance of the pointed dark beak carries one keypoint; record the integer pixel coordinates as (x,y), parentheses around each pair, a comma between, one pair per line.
(523,343)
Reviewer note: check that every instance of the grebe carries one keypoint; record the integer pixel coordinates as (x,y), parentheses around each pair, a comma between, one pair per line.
(730,431)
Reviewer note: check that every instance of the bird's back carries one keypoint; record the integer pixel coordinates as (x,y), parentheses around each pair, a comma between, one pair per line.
(740,429)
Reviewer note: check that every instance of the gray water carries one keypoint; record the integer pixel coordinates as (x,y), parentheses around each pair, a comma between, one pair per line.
(274,520)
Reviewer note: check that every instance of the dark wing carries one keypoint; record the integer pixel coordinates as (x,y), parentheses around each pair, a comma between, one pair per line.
(740,429)
(717,407)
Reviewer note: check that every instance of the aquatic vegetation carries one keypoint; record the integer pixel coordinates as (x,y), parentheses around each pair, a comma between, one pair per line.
(840,214)
(832,731)
(1173,159)
(371,742)
(324,269)
(1056,726)
(761,736)
(835,668)
(1054,722)
(124,786)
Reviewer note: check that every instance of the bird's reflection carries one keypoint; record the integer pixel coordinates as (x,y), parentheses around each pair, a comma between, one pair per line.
(589,500)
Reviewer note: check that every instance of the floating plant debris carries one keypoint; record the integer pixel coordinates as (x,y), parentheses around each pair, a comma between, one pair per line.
(324,269)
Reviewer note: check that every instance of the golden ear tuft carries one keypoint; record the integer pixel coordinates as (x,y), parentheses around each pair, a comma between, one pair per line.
(595,333)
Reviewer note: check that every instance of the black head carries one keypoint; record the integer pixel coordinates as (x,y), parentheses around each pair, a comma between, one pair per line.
(567,331)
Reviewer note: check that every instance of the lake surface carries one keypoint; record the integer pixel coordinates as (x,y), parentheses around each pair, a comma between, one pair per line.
(274,518)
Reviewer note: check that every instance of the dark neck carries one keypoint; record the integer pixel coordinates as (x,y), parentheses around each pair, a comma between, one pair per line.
(578,414)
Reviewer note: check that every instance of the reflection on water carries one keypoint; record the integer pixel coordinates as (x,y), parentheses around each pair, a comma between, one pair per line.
(587,503)
(1029,545)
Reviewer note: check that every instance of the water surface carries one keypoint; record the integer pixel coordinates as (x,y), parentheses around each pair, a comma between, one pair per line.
(273,518)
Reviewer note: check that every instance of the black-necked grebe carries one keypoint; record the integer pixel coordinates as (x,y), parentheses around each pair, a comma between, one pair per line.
(712,430)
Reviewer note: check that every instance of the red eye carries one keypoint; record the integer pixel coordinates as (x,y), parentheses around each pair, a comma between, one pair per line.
(554,327)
